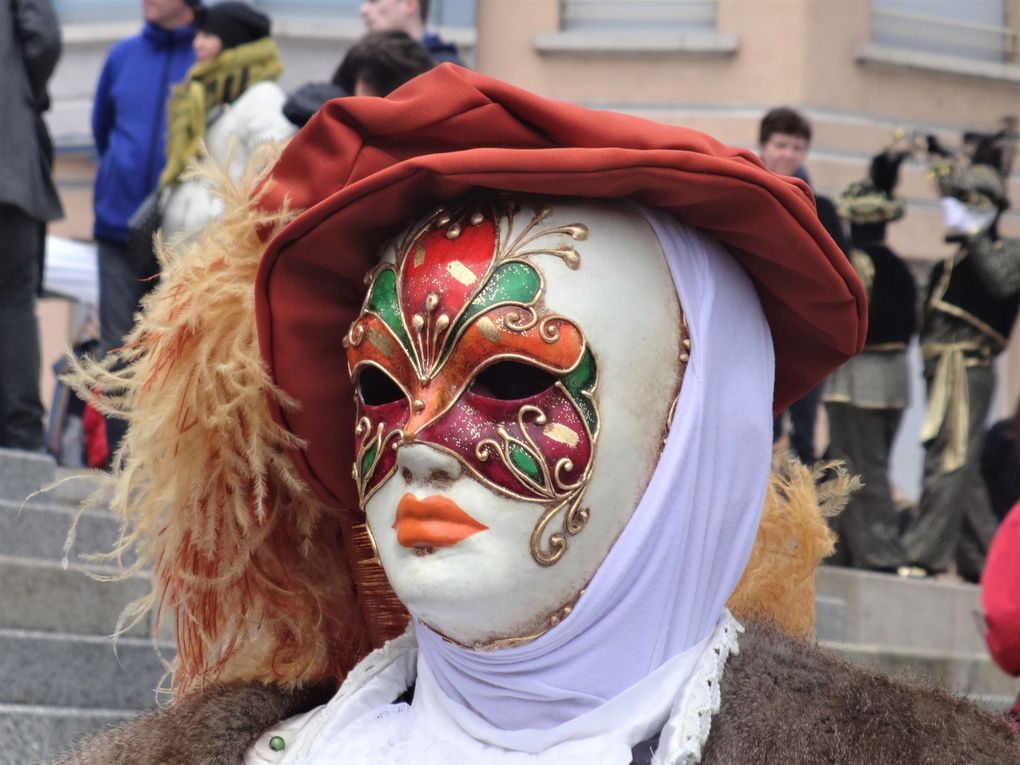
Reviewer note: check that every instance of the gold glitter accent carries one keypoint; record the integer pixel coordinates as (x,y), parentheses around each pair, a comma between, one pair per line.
(381,341)
(561,434)
(488,329)
(461,273)
(419,256)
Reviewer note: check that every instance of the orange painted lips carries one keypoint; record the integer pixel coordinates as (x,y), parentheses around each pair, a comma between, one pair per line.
(432,522)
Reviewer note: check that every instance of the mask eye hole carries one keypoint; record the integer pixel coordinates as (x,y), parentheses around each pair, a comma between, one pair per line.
(376,388)
(511,381)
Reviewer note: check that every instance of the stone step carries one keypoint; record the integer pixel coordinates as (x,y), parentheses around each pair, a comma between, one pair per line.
(32,734)
(973,675)
(41,595)
(901,614)
(47,669)
(40,530)
(72,487)
(21,473)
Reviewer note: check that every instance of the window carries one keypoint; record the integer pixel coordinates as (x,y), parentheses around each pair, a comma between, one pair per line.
(444,13)
(974,29)
(659,15)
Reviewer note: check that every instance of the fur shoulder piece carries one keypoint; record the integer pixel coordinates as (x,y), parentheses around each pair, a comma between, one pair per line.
(778,583)
(249,566)
(215,726)
(786,700)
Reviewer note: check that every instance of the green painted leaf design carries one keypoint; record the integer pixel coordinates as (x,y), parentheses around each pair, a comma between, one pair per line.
(367,461)
(382,301)
(581,381)
(524,462)
(512,282)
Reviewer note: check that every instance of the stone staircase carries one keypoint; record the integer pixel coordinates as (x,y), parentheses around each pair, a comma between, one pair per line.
(918,628)
(60,677)
(60,674)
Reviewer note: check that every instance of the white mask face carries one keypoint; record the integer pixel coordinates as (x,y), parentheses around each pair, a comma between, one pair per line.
(516,362)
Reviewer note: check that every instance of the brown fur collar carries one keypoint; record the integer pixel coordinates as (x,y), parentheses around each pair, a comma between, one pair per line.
(216,726)
(784,700)
(788,701)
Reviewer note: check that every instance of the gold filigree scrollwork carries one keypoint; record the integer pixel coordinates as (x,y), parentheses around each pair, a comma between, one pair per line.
(355,335)
(564,497)
(362,472)
(521,319)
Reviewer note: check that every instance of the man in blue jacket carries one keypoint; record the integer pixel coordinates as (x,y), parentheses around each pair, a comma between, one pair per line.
(129,129)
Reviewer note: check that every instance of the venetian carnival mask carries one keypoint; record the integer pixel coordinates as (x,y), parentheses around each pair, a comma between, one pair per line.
(515,361)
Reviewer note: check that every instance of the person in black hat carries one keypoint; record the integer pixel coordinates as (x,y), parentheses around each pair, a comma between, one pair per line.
(230,101)
(865,398)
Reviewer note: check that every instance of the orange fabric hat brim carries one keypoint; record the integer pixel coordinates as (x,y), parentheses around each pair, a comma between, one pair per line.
(364,167)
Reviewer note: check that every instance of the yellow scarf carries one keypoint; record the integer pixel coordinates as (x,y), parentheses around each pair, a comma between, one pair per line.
(210,83)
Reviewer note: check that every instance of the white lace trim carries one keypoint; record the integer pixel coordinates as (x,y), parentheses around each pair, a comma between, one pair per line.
(361,675)
(687,728)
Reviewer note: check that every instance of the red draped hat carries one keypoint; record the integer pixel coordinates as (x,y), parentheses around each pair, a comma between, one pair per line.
(365,167)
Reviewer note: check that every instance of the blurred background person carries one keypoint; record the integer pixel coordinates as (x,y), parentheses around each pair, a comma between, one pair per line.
(1000,465)
(230,101)
(29,50)
(865,398)
(129,130)
(972,304)
(784,137)
(378,64)
(410,17)
(381,62)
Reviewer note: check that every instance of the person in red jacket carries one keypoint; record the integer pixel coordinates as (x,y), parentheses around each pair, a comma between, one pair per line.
(1000,600)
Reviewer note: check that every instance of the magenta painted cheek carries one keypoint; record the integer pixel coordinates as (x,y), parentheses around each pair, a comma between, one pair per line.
(532,449)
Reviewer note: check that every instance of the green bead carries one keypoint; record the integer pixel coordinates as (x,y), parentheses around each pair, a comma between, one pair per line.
(277,744)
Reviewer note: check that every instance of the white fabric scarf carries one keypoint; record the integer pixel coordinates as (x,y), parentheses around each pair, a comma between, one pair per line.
(611,674)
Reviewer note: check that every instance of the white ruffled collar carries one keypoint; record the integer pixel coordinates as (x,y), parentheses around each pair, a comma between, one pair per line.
(367,695)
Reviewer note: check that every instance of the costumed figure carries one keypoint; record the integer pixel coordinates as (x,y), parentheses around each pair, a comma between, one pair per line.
(866,396)
(524,356)
(972,303)
(229,102)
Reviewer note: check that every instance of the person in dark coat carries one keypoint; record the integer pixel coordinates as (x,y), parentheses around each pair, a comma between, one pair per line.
(865,398)
(1000,464)
(972,304)
(29,50)
(784,137)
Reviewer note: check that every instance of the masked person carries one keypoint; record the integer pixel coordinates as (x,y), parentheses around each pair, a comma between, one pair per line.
(972,304)
(230,101)
(525,356)
(865,397)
